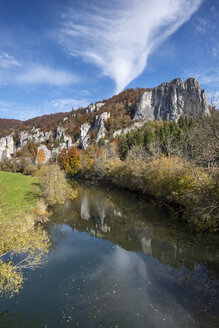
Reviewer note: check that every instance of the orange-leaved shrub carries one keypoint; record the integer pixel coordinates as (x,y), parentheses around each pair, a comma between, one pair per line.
(70,160)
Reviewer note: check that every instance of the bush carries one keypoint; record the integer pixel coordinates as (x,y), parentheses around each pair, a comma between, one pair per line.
(30,170)
(70,160)
(54,185)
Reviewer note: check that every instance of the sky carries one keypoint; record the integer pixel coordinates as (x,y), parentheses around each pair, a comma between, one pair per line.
(56,55)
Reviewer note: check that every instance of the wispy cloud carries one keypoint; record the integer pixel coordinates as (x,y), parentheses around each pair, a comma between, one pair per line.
(38,74)
(206,76)
(119,37)
(13,71)
(64,105)
(7,60)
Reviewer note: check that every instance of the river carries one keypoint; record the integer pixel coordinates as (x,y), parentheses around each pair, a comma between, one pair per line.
(119,260)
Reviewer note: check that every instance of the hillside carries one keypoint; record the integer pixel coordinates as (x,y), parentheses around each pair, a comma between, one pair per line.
(104,120)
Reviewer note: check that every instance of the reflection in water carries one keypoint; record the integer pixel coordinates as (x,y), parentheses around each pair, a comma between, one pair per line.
(118,261)
(136,225)
(22,246)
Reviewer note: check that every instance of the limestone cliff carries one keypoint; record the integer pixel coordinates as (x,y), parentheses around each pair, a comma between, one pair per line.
(102,120)
(172,100)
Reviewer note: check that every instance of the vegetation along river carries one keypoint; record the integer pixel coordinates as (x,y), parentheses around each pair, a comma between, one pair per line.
(117,260)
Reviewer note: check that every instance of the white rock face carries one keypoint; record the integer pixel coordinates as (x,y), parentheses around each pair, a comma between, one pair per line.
(84,136)
(63,139)
(35,135)
(172,100)
(90,108)
(23,137)
(93,107)
(134,126)
(99,105)
(6,147)
(99,124)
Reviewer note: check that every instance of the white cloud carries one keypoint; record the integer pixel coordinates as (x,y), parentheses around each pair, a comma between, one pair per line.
(118,38)
(64,105)
(7,61)
(38,74)
(206,76)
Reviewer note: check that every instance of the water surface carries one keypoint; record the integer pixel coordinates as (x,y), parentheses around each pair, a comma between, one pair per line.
(118,260)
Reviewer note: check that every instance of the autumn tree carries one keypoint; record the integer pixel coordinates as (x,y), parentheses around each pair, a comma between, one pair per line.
(41,157)
(70,160)
(54,184)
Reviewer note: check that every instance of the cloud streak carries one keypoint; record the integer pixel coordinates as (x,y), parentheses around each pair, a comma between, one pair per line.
(38,74)
(17,72)
(7,60)
(118,38)
(67,104)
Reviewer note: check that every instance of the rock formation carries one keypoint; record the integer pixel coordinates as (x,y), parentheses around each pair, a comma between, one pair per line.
(99,124)
(171,100)
(168,101)
(6,147)
(84,137)
(93,107)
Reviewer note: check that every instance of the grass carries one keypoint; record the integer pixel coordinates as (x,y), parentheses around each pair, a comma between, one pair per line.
(18,194)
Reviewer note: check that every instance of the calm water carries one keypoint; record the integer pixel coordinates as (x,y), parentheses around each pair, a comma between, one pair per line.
(118,261)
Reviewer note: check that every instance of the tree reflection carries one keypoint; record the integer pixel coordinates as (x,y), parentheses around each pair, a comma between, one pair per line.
(22,246)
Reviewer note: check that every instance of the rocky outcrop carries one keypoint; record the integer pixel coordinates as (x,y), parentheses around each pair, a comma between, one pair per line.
(35,135)
(171,100)
(63,139)
(90,108)
(99,124)
(134,126)
(84,136)
(168,101)
(93,107)
(99,105)
(6,147)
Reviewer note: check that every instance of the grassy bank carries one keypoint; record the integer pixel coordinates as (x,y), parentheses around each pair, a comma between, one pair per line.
(18,193)
(23,203)
(22,244)
(168,179)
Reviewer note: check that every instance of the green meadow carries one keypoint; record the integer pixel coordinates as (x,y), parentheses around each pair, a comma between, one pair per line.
(18,193)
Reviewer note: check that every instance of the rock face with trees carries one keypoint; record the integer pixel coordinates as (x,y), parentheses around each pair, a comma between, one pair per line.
(102,121)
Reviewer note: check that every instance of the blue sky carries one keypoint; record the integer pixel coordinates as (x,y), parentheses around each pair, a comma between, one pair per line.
(59,54)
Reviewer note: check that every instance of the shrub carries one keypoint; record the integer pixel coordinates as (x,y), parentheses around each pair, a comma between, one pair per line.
(70,160)
(54,185)
(30,169)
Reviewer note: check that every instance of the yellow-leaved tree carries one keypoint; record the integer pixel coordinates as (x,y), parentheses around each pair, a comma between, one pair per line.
(21,247)
(54,184)
(70,160)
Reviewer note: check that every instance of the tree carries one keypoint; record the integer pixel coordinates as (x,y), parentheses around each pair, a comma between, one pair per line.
(41,156)
(70,160)
(54,185)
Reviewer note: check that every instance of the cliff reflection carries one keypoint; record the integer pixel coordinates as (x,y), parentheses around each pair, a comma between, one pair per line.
(137,225)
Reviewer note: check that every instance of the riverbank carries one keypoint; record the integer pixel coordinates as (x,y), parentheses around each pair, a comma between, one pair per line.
(171,180)
(22,244)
